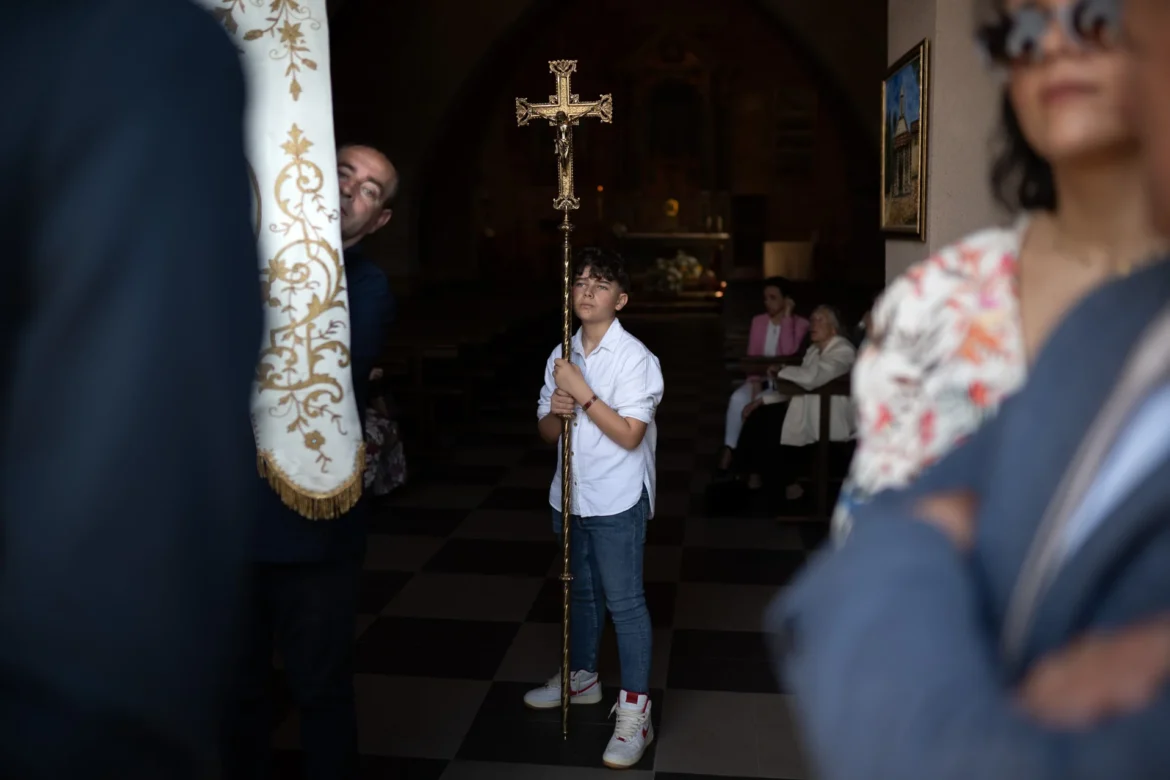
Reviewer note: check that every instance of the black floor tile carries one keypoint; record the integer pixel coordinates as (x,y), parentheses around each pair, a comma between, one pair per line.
(484,556)
(698,501)
(517,498)
(414,521)
(505,730)
(720,661)
(660,600)
(667,530)
(376,588)
(288,765)
(548,605)
(741,567)
(461,649)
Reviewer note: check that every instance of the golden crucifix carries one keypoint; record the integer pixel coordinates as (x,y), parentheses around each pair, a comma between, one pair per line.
(564,110)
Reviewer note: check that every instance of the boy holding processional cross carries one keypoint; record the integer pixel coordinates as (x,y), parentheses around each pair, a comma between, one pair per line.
(612,386)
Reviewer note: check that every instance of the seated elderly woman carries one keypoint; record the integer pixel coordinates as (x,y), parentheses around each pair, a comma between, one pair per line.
(778,431)
(775,333)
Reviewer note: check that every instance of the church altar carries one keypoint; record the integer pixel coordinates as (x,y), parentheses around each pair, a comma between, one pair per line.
(687,265)
(672,237)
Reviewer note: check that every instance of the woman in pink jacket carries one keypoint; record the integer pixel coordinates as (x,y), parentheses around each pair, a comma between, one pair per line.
(774,333)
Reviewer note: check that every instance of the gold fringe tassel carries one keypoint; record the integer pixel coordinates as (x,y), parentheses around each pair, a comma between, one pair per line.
(314,506)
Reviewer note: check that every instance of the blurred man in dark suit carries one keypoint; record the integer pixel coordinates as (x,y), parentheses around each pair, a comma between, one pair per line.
(131,324)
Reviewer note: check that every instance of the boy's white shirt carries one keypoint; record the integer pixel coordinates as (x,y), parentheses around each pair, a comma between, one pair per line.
(626,376)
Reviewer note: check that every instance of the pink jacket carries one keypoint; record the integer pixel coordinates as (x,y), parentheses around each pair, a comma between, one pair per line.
(792,333)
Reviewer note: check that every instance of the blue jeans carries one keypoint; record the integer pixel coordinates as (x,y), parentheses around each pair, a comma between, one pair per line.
(606,559)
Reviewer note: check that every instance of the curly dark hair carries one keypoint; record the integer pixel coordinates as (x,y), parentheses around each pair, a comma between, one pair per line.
(603,264)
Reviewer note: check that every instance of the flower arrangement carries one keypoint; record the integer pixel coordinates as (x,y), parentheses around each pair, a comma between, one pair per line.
(672,275)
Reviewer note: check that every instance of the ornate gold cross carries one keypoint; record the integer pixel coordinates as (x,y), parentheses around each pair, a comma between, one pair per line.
(564,110)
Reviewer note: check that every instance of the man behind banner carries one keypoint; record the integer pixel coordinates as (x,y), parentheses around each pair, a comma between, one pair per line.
(305,573)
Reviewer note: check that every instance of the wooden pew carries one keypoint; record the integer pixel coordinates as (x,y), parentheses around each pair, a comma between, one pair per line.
(758,366)
(842,386)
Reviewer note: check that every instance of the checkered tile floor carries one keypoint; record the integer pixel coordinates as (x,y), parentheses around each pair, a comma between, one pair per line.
(461,611)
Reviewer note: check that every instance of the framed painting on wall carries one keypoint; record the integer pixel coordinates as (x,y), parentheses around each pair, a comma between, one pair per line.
(905,92)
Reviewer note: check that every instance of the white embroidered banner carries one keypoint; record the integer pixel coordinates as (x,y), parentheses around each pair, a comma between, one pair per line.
(308,437)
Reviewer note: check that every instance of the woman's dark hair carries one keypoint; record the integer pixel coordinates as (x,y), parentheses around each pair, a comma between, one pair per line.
(779,282)
(1020,178)
(603,264)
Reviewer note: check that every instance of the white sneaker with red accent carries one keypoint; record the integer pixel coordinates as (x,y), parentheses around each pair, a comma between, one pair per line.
(584,688)
(633,733)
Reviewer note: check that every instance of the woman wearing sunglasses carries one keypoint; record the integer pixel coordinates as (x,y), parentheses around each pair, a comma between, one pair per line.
(953,336)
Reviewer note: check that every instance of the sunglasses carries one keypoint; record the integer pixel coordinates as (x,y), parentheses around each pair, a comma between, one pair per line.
(1016,37)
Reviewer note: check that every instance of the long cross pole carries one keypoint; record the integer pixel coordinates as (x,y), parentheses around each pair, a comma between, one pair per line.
(563,111)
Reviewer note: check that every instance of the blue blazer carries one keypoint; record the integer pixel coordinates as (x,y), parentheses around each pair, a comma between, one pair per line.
(894,644)
(129,331)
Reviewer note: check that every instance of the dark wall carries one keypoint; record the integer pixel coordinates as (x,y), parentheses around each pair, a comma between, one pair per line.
(432,82)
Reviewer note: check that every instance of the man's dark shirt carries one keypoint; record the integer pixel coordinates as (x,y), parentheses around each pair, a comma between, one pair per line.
(283,536)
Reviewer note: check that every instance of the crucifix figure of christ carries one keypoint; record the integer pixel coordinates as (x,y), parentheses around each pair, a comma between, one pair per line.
(564,110)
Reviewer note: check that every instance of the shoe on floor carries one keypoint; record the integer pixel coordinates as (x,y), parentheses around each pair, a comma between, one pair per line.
(584,688)
(633,733)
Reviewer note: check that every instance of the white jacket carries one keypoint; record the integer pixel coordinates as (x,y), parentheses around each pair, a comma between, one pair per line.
(802,422)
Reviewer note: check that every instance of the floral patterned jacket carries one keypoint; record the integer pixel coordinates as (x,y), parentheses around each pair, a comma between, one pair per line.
(945,351)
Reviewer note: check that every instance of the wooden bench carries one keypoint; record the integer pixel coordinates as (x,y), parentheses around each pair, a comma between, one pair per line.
(758,366)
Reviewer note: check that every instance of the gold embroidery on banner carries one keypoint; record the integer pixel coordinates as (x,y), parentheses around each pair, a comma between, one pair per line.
(307,266)
(227,16)
(303,282)
(288,16)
